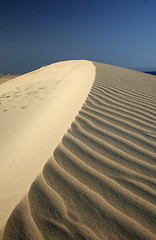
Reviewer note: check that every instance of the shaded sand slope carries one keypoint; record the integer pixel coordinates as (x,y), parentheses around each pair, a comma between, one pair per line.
(100,182)
(36,109)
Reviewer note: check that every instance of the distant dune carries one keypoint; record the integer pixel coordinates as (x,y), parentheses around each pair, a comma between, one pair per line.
(6,77)
(153,73)
(78,150)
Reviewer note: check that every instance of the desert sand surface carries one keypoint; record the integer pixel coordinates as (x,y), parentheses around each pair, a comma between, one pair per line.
(78,147)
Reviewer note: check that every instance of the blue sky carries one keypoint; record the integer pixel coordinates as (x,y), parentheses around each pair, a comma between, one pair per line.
(36,33)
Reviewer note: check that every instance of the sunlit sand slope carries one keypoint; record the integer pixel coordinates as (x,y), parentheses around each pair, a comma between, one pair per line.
(100,182)
(36,109)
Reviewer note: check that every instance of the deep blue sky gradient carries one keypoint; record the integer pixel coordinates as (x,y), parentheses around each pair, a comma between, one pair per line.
(36,33)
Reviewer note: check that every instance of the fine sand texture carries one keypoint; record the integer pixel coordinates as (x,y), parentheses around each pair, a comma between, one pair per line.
(99,183)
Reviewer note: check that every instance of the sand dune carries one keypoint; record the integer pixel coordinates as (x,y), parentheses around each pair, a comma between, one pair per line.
(100,181)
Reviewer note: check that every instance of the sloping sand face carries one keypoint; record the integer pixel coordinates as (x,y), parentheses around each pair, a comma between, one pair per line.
(36,110)
(100,181)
